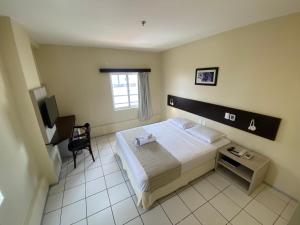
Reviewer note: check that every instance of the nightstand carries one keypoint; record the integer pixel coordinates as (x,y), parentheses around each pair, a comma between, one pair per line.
(246,173)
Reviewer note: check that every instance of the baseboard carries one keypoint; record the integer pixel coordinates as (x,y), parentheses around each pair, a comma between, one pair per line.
(122,125)
(35,214)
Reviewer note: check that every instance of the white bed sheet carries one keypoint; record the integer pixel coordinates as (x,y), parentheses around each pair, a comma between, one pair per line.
(188,150)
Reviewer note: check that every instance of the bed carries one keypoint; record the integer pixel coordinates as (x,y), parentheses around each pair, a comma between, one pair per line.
(191,155)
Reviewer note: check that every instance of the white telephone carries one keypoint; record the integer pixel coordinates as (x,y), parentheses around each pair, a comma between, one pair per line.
(237,151)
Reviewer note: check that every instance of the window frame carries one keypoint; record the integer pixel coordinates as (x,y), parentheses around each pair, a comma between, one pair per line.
(128,91)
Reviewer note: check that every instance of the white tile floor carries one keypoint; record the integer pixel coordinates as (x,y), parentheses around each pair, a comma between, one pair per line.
(99,193)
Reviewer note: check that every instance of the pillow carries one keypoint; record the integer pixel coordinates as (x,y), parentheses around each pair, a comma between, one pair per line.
(205,133)
(182,123)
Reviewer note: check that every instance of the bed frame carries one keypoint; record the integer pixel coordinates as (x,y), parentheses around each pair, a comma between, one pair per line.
(146,199)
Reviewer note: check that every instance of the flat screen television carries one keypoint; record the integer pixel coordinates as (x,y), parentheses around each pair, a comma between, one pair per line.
(49,111)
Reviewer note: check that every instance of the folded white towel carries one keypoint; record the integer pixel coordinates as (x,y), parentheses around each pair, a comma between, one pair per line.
(145,135)
(143,141)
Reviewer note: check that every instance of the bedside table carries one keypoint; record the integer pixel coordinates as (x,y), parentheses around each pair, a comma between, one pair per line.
(247,173)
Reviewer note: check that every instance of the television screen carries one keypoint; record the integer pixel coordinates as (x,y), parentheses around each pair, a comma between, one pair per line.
(50,111)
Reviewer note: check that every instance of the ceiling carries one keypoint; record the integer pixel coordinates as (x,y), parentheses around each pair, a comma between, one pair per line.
(117,23)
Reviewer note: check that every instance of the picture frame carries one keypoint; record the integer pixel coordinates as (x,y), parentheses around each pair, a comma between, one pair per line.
(206,76)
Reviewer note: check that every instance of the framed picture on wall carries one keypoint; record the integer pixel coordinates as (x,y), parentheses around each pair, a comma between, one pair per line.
(206,76)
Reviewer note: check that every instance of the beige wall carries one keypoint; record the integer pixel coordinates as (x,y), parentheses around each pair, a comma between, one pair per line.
(259,72)
(71,74)
(25,167)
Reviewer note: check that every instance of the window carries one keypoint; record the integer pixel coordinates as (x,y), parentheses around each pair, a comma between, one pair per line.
(124,90)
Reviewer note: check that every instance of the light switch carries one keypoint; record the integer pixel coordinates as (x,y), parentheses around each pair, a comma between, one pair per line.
(227,116)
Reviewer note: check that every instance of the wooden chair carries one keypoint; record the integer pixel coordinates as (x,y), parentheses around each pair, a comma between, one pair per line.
(80,140)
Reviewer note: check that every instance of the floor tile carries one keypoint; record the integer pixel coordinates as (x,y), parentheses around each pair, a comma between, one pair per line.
(167,197)
(207,215)
(140,209)
(73,181)
(281,221)
(52,218)
(206,189)
(104,217)
(81,222)
(105,150)
(65,164)
(110,168)
(136,221)
(175,209)
(74,194)
(155,216)
(54,202)
(130,188)
(245,219)
(73,213)
(79,168)
(118,193)
(225,206)
(261,213)
(57,188)
(108,159)
(114,179)
(63,173)
(191,198)
(95,186)
(90,164)
(124,211)
(218,181)
(257,190)
(279,194)
(125,175)
(97,202)
(236,195)
(289,210)
(272,200)
(93,174)
(190,220)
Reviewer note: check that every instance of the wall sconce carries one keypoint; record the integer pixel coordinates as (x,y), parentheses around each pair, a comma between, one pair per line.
(252,126)
(171,102)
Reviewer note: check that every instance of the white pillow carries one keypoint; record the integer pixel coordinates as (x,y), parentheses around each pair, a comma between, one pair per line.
(182,123)
(205,133)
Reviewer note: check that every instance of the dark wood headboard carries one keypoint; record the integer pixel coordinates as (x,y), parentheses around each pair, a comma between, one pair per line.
(266,126)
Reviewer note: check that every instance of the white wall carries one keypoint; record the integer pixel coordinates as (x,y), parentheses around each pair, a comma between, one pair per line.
(25,168)
(72,75)
(259,72)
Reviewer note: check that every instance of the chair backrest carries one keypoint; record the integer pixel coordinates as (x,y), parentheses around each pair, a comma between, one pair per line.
(88,131)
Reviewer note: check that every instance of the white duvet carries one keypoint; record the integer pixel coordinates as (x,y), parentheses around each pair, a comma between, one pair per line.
(187,149)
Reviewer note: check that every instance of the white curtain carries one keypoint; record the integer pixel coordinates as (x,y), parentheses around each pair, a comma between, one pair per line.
(145,108)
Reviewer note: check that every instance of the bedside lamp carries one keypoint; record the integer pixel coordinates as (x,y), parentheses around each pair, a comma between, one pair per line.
(252,126)
(171,102)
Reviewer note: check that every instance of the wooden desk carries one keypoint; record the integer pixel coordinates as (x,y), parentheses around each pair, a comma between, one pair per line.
(64,129)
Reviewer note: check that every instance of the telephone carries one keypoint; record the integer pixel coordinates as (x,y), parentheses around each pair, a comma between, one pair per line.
(238,152)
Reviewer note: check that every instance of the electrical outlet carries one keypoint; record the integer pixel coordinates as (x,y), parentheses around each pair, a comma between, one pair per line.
(232,117)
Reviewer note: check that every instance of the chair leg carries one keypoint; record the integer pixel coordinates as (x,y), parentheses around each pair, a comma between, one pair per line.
(74,159)
(91,152)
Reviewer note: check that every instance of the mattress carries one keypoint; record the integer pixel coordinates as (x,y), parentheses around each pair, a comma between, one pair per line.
(187,149)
